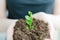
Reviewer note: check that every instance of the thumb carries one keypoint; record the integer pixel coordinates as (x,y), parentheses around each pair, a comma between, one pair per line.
(41,16)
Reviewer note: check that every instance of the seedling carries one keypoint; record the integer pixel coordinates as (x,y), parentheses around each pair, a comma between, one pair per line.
(29,21)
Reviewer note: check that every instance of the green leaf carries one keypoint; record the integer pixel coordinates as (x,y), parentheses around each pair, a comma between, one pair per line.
(27,17)
(30,13)
(29,22)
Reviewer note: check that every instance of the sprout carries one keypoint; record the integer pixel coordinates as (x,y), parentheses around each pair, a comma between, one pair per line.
(29,21)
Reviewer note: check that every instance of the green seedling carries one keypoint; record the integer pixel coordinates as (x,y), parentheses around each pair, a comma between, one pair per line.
(29,21)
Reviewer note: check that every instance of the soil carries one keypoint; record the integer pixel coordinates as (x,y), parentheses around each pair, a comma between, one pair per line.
(40,31)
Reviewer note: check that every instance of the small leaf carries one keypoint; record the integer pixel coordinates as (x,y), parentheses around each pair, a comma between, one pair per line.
(30,13)
(27,17)
(29,22)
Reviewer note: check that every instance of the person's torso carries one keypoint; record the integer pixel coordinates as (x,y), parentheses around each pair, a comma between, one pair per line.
(19,8)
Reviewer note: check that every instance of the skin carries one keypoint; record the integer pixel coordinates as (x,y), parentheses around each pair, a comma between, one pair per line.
(2,9)
(57,7)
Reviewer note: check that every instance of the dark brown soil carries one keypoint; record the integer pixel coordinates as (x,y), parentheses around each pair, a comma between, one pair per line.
(40,31)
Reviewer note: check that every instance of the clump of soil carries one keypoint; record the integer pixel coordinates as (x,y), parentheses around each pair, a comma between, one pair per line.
(40,31)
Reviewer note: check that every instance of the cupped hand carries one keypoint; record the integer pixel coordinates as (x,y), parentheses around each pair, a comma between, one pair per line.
(51,20)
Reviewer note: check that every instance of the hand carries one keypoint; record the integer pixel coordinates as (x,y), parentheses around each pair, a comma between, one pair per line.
(43,16)
(5,23)
(51,20)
